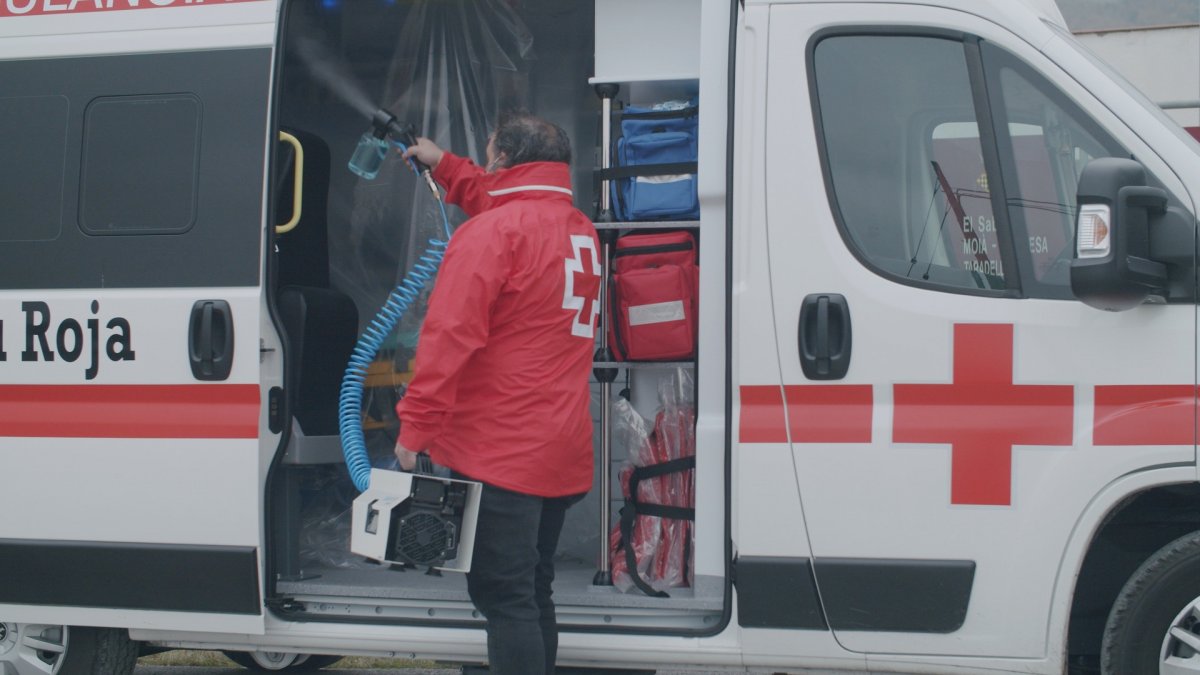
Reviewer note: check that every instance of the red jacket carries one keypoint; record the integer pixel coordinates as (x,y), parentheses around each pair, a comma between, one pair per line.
(500,390)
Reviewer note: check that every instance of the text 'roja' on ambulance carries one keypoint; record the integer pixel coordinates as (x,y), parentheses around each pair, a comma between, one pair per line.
(922,398)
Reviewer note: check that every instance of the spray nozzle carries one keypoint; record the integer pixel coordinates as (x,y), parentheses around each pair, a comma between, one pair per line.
(385,124)
(373,146)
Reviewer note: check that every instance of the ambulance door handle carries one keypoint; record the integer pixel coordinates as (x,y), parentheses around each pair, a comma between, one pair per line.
(824,336)
(210,340)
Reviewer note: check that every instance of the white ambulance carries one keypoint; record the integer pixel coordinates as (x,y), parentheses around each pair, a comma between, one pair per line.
(998,472)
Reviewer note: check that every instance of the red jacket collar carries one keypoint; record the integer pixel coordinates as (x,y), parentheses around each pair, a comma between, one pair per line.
(534,180)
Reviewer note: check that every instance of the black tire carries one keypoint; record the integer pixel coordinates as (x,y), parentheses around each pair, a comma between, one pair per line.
(1162,596)
(67,650)
(301,663)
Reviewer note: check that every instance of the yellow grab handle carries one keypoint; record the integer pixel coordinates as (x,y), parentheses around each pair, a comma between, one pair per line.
(297,186)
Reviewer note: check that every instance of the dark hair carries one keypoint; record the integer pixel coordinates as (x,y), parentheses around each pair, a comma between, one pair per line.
(523,138)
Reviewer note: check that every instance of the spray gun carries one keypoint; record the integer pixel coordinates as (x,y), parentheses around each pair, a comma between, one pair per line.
(373,147)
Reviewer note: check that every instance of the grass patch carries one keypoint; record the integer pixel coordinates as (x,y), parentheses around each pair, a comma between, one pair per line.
(215,659)
(188,657)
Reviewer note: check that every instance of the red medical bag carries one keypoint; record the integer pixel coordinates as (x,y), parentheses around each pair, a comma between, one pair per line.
(652,298)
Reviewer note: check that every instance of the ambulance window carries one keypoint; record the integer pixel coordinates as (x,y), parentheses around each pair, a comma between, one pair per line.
(140,157)
(33,128)
(903,155)
(164,150)
(1044,142)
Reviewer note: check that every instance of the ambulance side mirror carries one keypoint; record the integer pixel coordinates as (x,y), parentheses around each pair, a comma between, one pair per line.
(1130,247)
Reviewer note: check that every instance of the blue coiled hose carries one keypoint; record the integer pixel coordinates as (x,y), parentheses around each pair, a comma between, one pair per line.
(354,447)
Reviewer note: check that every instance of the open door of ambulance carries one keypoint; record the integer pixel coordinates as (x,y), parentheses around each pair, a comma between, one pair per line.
(921,198)
(130,256)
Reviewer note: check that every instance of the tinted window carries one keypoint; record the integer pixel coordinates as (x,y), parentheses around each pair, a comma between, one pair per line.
(1044,143)
(166,150)
(904,157)
(909,171)
(140,155)
(34,129)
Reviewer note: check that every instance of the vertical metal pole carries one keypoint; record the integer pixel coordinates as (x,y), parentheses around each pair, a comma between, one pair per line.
(606,149)
(604,573)
(605,376)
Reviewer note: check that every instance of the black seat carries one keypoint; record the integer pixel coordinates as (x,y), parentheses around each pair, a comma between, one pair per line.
(321,326)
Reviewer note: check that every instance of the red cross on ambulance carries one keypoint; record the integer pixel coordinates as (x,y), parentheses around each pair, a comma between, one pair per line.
(981,414)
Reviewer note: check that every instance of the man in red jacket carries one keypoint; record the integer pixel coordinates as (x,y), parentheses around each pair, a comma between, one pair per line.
(500,391)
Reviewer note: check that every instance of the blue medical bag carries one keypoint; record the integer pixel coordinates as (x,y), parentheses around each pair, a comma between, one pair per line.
(655,163)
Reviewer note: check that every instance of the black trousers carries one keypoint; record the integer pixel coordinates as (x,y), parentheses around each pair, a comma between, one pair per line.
(512,570)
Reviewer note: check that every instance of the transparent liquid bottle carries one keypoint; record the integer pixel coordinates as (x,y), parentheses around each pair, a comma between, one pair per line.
(369,155)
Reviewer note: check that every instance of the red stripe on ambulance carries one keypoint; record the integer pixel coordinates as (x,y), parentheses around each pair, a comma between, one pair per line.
(816,413)
(762,419)
(838,413)
(41,7)
(129,411)
(981,414)
(1145,415)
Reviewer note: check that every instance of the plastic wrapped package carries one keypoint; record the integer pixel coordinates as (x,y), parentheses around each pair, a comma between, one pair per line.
(674,440)
(633,432)
(655,534)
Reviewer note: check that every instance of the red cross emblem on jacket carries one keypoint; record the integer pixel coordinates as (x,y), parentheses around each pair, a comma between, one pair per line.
(583,285)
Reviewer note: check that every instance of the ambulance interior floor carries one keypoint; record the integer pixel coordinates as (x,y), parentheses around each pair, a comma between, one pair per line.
(572,587)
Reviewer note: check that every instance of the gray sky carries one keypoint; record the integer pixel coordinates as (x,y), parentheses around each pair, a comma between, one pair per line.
(1105,14)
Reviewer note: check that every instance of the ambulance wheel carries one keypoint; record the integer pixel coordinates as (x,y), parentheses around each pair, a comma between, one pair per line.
(41,649)
(1154,627)
(281,662)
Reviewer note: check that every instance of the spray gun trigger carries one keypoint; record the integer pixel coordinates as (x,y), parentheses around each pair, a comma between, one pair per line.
(385,124)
